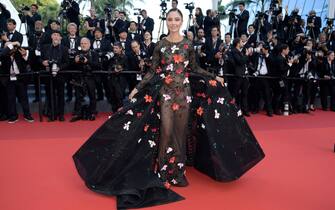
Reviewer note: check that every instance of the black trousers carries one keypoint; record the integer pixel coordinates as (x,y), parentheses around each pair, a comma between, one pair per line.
(58,86)
(17,89)
(116,85)
(3,97)
(327,88)
(240,92)
(281,93)
(263,89)
(87,87)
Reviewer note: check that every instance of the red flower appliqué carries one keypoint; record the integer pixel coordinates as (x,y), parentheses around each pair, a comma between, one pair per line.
(185,46)
(172,159)
(213,83)
(163,61)
(209,101)
(200,111)
(148,99)
(168,79)
(179,71)
(175,106)
(139,114)
(146,127)
(178,58)
(167,185)
(158,70)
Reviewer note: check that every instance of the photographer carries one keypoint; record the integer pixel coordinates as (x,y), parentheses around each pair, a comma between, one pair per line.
(282,66)
(12,34)
(72,43)
(328,87)
(31,16)
(304,70)
(117,81)
(101,46)
(72,11)
(120,23)
(91,23)
(293,23)
(54,57)
(262,61)
(147,23)
(313,25)
(136,62)
(242,20)
(87,61)
(240,81)
(36,41)
(4,16)
(133,32)
(14,62)
(212,46)
(106,24)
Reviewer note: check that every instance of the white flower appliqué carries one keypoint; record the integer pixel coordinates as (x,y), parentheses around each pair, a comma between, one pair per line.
(186,81)
(220,100)
(126,126)
(180,165)
(130,112)
(164,168)
(139,140)
(217,114)
(152,143)
(188,99)
(186,63)
(239,113)
(166,97)
(163,49)
(133,100)
(169,67)
(169,149)
(174,48)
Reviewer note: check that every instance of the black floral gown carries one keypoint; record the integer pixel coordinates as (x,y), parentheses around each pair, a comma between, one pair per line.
(180,114)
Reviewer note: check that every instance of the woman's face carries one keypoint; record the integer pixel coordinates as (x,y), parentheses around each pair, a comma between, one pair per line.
(147,36)
(174,21)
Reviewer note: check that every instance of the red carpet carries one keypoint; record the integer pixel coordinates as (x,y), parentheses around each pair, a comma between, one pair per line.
(298,173)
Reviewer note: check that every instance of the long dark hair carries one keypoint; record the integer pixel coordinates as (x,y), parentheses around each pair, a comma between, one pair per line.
(175,10)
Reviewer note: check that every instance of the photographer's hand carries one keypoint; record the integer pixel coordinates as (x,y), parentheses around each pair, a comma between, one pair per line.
(76,59)
(133,93)
(45,63)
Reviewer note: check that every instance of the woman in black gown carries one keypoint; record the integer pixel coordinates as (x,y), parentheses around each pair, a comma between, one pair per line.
(141,150)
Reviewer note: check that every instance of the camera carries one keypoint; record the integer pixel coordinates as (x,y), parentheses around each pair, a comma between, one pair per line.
(109,55)
(232,16)
(163,5)
(138,11)
(66,4)
(22,13)
(189,6)
(72,53)
(260,14)
(53,67)
(82,58)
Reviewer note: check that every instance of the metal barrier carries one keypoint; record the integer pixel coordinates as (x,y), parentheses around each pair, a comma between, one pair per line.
(40,74)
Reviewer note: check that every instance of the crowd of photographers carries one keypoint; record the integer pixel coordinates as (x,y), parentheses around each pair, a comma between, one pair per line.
(278,63)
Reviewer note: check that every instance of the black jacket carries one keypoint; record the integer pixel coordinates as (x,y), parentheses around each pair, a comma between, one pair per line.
(242,23)
(239,62)
(281,68)
(148,24)
(58,54)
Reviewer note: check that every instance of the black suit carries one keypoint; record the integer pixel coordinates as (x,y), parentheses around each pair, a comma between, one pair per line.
(86,82)
(328,87)
(261,85)
(73,12)
(281,69)
(16,37)
(72,44)
(148,24)
(242,23)
(15,85)
(60,55)
(211,48)
(241,82)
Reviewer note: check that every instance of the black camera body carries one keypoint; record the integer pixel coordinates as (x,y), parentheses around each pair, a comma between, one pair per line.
(189,6)
(82,58)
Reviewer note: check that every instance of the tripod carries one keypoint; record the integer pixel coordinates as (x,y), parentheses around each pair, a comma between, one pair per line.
(190,18)
(162,23)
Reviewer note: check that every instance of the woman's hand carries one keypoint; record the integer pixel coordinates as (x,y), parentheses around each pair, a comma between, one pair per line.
(220,79)
(133,92)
